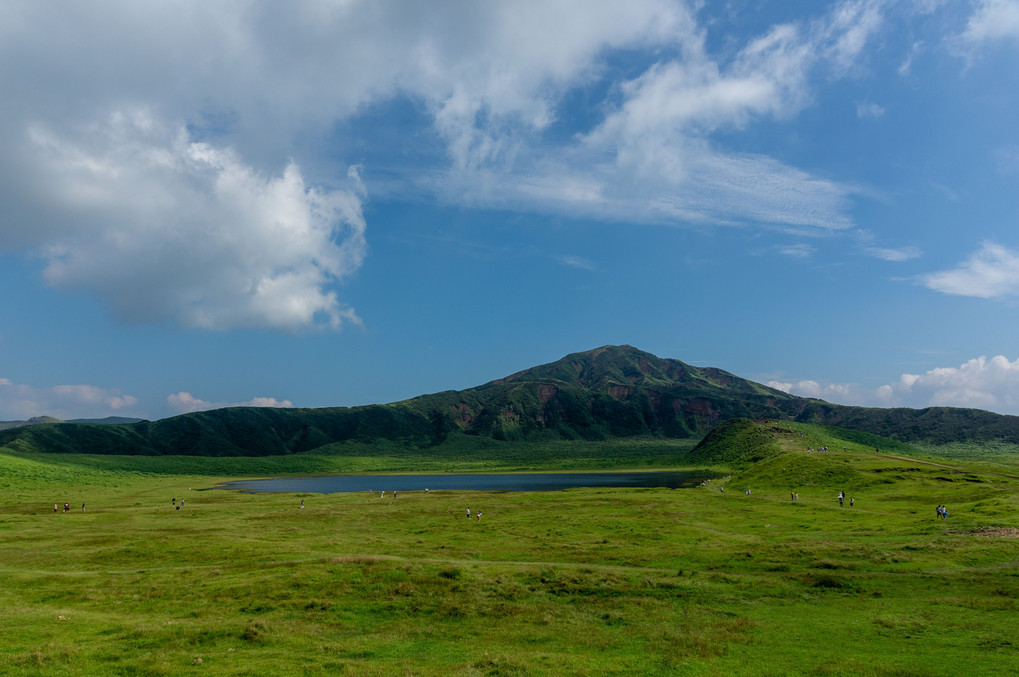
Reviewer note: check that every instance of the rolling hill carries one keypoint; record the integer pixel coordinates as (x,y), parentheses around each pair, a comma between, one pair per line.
(609,392)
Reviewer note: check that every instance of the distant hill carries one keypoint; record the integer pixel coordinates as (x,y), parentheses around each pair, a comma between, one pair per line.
(37,420)
(609,392)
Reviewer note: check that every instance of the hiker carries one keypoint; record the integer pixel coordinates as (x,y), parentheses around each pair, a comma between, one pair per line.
(842,497)
(851,502)
(944,512)
(67,507)
(302,502)
(83,507)
(54,508)
(468,513)
(479,515)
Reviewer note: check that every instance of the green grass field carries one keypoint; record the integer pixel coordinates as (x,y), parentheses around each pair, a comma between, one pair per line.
(578,582)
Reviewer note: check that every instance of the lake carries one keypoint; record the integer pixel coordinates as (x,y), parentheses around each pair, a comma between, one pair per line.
(472,482)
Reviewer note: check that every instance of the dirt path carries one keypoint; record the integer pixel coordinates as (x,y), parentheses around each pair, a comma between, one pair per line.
(948,467)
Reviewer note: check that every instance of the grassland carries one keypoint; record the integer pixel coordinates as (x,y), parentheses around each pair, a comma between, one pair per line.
(591,581)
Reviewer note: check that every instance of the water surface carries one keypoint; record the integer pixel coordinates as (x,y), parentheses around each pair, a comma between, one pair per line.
(471,482)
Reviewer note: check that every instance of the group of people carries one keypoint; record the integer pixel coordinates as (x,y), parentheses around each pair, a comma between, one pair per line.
(477,514)
(943,512)
(842,498)
(173,502)
(67,507)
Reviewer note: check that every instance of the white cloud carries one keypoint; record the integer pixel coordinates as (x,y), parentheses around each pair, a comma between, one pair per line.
(172,158)
(652,159)
(849,28)
(162,226)
(907,63)
(869,110)
(20,401)
(980,383)
(894,254)
(186,403)
(992,20)
(991,272)
(838,393)
(578,262)
(798,251)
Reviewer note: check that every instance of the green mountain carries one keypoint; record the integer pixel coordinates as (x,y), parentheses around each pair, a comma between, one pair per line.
(609,392)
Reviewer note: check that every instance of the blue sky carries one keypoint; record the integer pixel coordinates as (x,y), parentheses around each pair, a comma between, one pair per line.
(324,203)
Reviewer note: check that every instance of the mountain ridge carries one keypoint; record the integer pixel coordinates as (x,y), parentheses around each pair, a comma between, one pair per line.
(603,393)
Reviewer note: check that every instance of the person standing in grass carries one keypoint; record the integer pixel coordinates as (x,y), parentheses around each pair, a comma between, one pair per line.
(468,513)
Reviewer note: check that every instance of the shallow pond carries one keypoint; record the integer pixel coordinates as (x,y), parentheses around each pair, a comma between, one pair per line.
(471,482)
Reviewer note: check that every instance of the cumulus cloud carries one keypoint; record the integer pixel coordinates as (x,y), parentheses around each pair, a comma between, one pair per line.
(186,403)
(980,383)
(162,227)
(173,159)
(991,272)
(20,401)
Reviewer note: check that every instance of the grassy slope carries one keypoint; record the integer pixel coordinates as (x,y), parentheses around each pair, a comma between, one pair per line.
(694,582)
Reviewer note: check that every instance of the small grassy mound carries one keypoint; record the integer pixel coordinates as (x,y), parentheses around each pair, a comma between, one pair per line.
(737,443)
(803,470)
